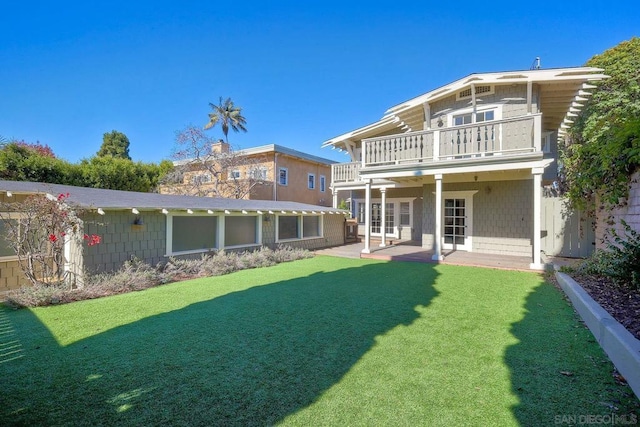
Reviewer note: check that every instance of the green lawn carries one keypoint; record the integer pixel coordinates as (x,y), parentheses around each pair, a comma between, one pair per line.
(322,341)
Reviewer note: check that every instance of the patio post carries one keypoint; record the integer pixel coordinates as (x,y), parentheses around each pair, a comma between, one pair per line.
(437,243)
(334,193)
(383,214)
(367,217)
(537,211)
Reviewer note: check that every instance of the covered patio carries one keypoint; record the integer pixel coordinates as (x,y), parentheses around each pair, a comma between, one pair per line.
(412,251)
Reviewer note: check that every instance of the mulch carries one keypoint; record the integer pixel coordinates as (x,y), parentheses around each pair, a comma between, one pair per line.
(622,303)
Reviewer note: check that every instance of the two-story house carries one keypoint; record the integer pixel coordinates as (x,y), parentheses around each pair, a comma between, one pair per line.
(461,168)
(267,172)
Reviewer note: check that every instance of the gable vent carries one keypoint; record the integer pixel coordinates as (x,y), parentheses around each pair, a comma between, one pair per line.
(488,89)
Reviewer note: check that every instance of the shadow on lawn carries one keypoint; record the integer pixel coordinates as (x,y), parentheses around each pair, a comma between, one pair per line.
(245,358)
(558,366)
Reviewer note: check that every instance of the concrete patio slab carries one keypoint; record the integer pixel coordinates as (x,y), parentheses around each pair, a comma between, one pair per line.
(411,251)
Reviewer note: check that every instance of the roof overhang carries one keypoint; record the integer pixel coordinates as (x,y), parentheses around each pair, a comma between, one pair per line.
(569,86)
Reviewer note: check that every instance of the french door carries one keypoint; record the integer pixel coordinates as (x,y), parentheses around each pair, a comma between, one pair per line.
(456,220)
(377,222)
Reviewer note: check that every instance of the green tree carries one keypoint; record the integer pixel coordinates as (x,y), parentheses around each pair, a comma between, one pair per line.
(228,115)
(603,147)
(114,144)
(20,161)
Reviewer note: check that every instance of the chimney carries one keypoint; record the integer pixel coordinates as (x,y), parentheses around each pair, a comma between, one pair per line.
(220,147)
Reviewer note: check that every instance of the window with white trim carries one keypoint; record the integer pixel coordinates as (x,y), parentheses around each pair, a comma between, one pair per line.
(258,173)
(240,230)
(297,227)
(323,183)
(235,174)
(283,176)
(193,233)
(481,116)
(361,212)
(483,113)
(311,181)
(5,248)
(202,178)
(405,213)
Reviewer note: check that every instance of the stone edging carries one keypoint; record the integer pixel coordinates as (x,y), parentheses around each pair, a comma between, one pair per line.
(622,348)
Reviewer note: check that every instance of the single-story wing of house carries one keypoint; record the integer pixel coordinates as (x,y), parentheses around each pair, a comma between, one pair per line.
(153,227)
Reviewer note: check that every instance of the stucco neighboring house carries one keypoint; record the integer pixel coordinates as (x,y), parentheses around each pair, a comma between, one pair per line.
(267,172)
(462,167)
(153,227)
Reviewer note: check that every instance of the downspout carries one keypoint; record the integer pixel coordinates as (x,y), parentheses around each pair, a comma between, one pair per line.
(276,176)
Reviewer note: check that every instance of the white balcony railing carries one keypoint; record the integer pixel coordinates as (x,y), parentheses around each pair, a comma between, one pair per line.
(499,137)
(467,141)
(345,172)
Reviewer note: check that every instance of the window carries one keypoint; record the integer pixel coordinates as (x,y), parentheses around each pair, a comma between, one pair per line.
(311,226)
(546,142)
(259,173)
(299,227)
(311,181)
(361,212)
(283,176)
(201,178)
(240,230)
(235,174)
(462,119)
(465,119)
(405,213)
(288,228)
(484,116)
(193,233)
(323,183)
(5,248)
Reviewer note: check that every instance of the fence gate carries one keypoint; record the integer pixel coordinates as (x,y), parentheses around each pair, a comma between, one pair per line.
(565,232)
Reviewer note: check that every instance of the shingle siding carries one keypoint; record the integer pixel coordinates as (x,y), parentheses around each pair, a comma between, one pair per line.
(513,99)
(502,219)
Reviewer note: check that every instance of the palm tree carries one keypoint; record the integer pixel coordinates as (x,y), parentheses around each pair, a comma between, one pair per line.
(228,115)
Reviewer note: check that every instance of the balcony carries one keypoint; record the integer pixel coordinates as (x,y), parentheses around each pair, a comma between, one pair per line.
(345,172)
(460,144)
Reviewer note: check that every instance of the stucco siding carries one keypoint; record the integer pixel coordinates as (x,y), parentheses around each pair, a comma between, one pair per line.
(297,189)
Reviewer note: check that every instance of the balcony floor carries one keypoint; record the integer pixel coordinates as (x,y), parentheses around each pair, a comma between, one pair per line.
(412,251)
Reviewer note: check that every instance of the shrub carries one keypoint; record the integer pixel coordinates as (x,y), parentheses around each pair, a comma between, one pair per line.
(625,257)
(620,261)
(136,275)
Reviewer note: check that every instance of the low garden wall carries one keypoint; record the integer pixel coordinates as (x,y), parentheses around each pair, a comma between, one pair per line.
(622,348)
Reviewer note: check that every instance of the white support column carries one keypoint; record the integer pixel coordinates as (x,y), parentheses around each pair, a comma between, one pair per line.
(383,214)
(537,132)
(529,96)
(473,103)
(367,218)
(427,116)
(334,193)
(437,240)
(537,212)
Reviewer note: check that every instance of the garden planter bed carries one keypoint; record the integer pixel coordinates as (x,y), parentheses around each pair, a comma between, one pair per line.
(622,347)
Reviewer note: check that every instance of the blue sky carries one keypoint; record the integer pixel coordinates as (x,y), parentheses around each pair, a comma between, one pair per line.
(303,71)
